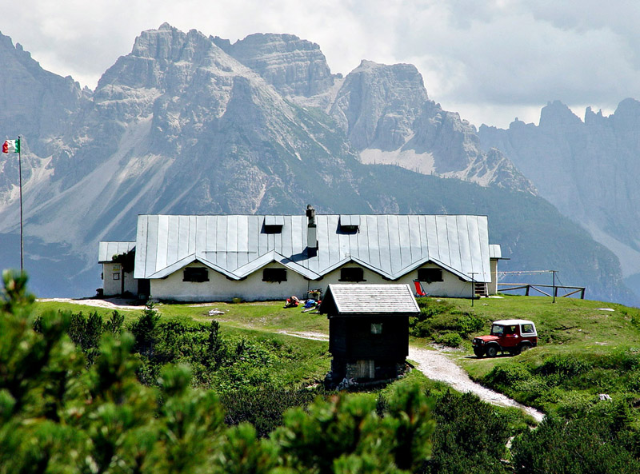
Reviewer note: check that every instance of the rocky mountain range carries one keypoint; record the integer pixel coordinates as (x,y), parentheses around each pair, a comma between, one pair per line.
(187,123)
(587,168)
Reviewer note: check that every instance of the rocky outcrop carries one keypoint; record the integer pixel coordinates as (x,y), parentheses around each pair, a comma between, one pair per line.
(388,117)
(35,104)
(295,67)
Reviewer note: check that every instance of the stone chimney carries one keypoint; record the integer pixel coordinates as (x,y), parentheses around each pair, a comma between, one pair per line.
(312,236)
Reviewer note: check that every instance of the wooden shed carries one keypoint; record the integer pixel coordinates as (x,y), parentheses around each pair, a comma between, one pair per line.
(368,330)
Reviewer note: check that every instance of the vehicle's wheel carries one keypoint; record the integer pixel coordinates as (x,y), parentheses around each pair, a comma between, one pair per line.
(515,351)
(525,347)
(492,351)
(478,352)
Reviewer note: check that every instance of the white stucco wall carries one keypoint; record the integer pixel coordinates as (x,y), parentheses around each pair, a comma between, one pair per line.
(111,286)
(220,288)
(451,287)
(493,286)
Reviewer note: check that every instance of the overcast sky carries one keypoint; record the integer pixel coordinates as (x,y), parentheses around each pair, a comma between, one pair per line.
(489,60)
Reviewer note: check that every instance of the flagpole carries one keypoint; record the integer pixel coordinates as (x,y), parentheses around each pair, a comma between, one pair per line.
(21,232)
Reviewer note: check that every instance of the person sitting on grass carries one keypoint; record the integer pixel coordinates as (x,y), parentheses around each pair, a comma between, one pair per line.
(292,302)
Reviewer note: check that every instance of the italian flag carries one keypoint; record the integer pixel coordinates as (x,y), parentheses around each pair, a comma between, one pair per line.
(11,146)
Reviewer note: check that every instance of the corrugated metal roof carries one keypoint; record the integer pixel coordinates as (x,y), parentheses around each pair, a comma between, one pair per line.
(371,299)
(106,250)
(390,245)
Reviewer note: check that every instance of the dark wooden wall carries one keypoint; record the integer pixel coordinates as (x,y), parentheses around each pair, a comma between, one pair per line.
(351,338)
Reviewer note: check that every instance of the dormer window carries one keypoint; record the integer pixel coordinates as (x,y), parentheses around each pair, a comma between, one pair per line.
(273,224)
(349,224)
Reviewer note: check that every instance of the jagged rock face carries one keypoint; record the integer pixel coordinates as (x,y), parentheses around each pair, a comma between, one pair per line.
(295,67)
(34,103)
(587,169)
(388,117)
(377,105)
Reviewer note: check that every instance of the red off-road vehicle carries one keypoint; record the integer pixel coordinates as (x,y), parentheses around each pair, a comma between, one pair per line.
(510,335)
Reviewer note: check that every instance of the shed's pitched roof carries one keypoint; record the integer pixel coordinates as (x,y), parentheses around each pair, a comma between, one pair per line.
(237,245)
(350,300)
(106,250)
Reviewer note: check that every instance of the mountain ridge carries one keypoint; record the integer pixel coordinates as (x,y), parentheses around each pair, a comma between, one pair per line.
(180,126)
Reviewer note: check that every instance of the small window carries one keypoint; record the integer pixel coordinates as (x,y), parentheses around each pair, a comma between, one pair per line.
(376,328)
(352,274)
(274,274)
(116,276)
(273,229)
(429,274)
(196,274)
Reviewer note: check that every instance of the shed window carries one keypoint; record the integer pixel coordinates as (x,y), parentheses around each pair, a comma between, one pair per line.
(376,328)
(429,274)
(116,276)
(196,274)
(274,274)
(352,274)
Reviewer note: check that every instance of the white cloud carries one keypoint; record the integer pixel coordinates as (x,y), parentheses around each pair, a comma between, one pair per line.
(486,60)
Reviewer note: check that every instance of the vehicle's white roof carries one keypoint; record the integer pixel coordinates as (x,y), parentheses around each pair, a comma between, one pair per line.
(507,322)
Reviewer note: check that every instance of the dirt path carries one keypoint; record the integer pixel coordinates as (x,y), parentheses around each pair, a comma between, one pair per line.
(111,303)
(439,367)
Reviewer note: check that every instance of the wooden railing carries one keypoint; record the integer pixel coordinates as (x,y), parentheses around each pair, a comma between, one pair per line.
(554,293)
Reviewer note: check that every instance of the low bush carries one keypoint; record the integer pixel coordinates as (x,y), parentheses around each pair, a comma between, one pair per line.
(450,339)
(565,365)
(591,444)
(507,375)
(439,317)
(469,436)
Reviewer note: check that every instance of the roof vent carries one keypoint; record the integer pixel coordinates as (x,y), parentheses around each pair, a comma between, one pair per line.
(349,224)
(273,224)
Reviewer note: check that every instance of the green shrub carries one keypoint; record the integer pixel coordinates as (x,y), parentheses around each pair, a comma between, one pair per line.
(450,339)
(507,375)
(565,365)
(469,323)
(469,437)
(576,446)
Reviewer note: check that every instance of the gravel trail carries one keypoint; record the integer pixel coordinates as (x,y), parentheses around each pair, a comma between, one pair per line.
(437,366)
